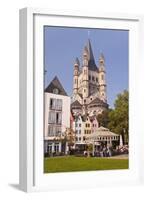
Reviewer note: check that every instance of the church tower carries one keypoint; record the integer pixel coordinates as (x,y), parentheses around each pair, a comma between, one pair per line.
(102,79)
(85,83)
(75,77)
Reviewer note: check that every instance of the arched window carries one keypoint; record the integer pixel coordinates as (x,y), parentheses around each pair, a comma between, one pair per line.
(55,91)
(93,78)
(102,77)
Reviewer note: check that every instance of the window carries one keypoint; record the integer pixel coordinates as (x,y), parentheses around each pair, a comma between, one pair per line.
(84,71)
(102,77)
(55,91)
(55,117)
(58,117)
(49,148)
(56,104)
(56,147)
(93,78)
(79,138)
(79,131)
(52,103)
(58,131)
(89,78)
(52,117)
(51,130)
(96,79)
(79,125)
(59,104)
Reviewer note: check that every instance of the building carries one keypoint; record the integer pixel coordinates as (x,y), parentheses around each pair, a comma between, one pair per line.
(89,84)
(102,136)
(57,117)
(83,126)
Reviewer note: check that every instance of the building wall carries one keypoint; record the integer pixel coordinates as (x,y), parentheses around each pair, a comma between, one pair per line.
(94,125)
(65,112)
(78,127)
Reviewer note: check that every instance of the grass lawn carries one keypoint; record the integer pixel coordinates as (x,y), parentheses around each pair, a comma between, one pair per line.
(72,163)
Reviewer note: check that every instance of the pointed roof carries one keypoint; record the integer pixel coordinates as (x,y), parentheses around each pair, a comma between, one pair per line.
(55,84)
(102,131)
(102,56)
(77,62)
(76,104)
(97,102)
(91,62)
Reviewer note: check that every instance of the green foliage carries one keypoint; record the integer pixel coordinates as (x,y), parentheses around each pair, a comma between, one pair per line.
(103,118)
(118,117)
(90,147)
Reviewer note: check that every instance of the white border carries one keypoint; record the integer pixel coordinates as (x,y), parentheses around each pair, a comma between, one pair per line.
(32,177)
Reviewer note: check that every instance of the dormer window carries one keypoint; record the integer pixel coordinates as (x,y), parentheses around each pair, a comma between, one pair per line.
(55,91)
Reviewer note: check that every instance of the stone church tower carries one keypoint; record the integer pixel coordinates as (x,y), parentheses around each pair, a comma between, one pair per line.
(89,84)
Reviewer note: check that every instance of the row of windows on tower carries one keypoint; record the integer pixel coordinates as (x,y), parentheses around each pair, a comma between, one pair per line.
(92,78)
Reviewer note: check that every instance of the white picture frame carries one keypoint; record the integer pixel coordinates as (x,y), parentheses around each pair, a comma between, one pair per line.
(31,100)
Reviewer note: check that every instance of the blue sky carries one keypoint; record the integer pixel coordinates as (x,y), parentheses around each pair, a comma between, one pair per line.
(62,45)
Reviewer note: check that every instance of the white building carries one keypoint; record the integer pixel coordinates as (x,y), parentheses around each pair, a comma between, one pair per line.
(102,135)
(57,117)
(78,128)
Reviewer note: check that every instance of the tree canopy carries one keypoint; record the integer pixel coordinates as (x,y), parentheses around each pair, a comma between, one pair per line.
(117,119)
(119,116)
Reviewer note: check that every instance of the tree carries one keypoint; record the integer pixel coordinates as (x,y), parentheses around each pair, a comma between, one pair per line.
(103,118)
(69,138)
(89,149)
(118,117)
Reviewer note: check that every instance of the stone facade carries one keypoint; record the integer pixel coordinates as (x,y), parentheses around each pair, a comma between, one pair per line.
(89,84)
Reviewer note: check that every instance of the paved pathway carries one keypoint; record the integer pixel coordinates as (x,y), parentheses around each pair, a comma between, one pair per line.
(123,156)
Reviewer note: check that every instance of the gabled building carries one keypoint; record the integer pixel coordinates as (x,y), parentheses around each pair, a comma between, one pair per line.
(78,127)
(94,124)
(83,126)
(57,117)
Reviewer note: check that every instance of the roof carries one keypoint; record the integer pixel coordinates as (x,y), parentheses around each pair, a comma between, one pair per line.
(102,131)
(97,102)
(76,104)
(91,62)
(77,62)
(84,117)
(92,118)
(102,57)
(55,83)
